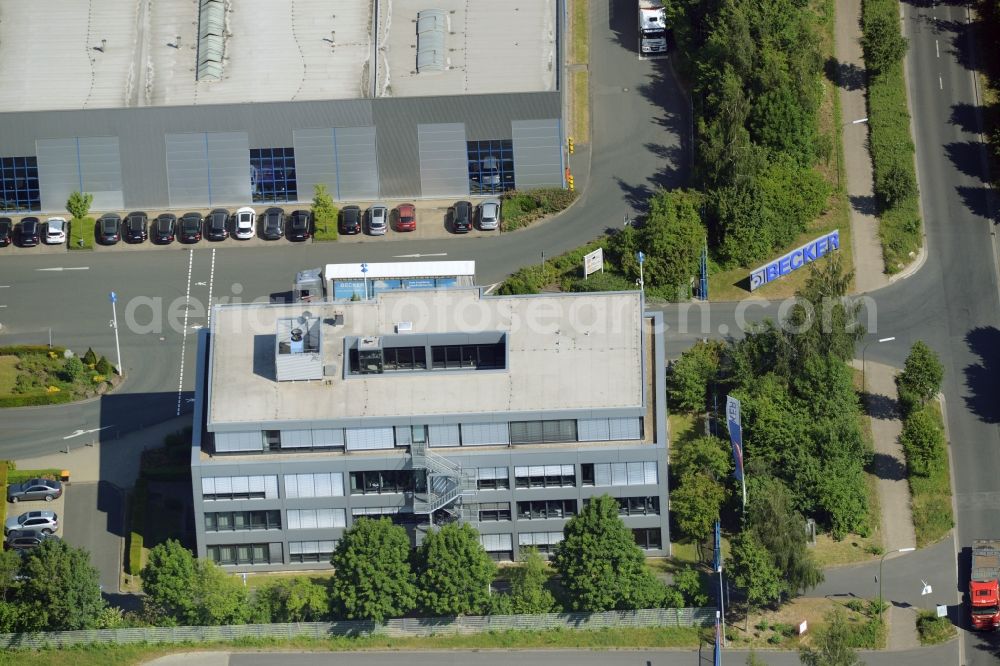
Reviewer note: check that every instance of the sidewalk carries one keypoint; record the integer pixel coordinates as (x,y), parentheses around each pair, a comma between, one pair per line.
(869,269)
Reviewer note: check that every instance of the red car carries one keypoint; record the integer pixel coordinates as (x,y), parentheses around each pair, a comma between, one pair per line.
(406,217)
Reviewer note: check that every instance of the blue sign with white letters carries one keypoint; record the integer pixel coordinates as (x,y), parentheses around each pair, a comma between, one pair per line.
(795,259)
(113,297)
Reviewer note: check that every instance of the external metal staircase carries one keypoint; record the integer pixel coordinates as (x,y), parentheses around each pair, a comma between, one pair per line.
(449,486)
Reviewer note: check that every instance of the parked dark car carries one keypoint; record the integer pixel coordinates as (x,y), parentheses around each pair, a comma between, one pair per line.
(29,232)
(190,228)
(136,227)
(6,231)
(350,220)
(299,226)
(164,228)
(34,489)
(22,540)
(217,224)
(109,229)
(461,217)
(274,224)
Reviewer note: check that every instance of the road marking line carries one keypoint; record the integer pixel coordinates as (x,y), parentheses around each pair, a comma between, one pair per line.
(417,256)
(66,268)
(211,283)
(940,82)
(937,49)
(86,432)
(187,309)
(3,306)
(4,286)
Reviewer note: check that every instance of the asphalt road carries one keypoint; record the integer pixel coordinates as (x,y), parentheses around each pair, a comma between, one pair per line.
(95,520)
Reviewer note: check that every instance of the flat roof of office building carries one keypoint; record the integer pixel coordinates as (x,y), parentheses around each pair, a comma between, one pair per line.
(565,352)
(124,53)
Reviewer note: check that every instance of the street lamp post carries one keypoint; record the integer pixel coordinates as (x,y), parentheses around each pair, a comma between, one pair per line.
(880,563)
(865,349)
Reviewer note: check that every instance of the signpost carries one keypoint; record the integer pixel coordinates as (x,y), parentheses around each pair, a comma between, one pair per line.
(113,297)
(641,258)
(364,274)
(718,570)
(593,262)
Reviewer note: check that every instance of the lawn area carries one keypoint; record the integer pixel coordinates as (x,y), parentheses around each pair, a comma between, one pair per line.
(778,628)
(580,28)
(931,498)
(8,374)
(325,233)
(684,427)
(81,234)
(581,106)
(37,375)
(603,639)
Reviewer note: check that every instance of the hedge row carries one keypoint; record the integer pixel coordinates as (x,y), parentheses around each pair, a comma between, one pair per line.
(520,209)
(5,466)
(890,142)
(136,527)
(19,475)
(30,350)
(36,399)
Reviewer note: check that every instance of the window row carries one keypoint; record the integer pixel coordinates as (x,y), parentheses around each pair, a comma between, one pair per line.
(314,485)
(310,551)
(246,553)
(543,509)
(498,546)
(543,542)
(491,512)
(619,474)
(231,521)
(316,518)
(493,478)
(382,481)
(379,360)
(545,476)
(648,538)
(272,175)
(239,487)
(19,184)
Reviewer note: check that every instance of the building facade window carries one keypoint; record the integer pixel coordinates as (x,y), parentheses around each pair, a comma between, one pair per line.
(545,476)
(19,190)
(492,478)
(491,166)
(311,551)
(469,357)
(239,487)
(272,175)
(635,506)
(377,482)
(619,474)
(404,358)
(491,512)
(536,432)
(234,521)
(543,542)
(272,440)
(648,538)
(304,519)
(314,485)
(544,509)
(245,553)
(499,546)
(398,515)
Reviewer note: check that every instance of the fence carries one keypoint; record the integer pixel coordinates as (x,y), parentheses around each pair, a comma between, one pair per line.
(657,617)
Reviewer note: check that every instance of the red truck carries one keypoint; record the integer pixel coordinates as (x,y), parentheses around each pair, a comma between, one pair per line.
(984,595)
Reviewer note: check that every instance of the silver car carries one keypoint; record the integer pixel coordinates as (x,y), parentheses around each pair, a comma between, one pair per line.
(45,522)
(33,489)
(378,219)
(489,214)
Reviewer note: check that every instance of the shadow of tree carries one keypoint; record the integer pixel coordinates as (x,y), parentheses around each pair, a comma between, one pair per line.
(977,200)
(967,117)
(969,157)
(982,380)
(844,75)
(866,204)
(887,467)
(879,406)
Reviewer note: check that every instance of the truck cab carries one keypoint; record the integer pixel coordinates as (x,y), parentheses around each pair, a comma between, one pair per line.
(984,588)
(652,28)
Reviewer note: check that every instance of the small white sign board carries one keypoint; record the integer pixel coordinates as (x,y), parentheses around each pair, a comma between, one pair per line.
(803,627)
(942,610)
(593,262)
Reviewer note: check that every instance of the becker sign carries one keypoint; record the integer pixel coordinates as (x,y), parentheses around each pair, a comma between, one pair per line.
(795,259)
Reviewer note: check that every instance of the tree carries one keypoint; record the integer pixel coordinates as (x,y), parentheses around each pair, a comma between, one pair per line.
(895,182)
(297,599)
(324,212)
(454,572)
(922,373)
(220,598)
(695,503)
(881,40)
(923,442)
(90,358)
(703,455)
(828,325)
(78,204)
(104,367)
(687,581)
(691,375)
(60,589)
(374,580)
(672,237)
(833,645)
(752,569)
(73,369)
(601,566)
(169,580)
(527,585)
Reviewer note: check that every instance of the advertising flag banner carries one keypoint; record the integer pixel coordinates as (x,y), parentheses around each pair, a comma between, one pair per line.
(735,433)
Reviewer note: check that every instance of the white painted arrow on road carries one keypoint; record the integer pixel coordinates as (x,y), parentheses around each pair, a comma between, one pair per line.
(201,284)
(86,432)
(417,256)
(67,268)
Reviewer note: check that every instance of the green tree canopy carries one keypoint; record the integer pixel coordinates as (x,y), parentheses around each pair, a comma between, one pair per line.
(374,579)
(923,442)
(60,589)
(297,599)
(752,570)
(528,590)
(703,455)
(691,375)
(695,503)
(220,598)
(781,530)
(454,571)
(601,566)
(169,580)
(324,212)
(922,373)
(78,204)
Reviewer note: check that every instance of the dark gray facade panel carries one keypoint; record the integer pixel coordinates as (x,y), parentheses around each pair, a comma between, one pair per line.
(58,171)
(187,169)
(315,160)
(537,153)
(357,174)
(444,169)
(101,171)
(228,168)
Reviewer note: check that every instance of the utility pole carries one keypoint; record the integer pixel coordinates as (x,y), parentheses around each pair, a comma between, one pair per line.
(114,324)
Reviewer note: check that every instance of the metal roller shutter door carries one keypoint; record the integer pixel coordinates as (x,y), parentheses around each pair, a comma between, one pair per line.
(357,173)
(58,171)
(537,153)
(101,171)
(444,160)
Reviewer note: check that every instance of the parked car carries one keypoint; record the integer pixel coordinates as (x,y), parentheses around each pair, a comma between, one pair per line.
(45,522)
(274,224)
(29,232)
(489,214)
(246,223)
(406,217)
(461,217)
(217,224)
(164,228)
(6,231)
(378,219)
(350,220)
(299,226)
(109,229)
(22,540)
(490,171)
(190,228)
(136,227)
(55,231)
(34,489)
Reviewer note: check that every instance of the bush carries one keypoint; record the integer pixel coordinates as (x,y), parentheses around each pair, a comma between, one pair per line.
(90,358)
(602,281)
(520,209)
(135,538)
(324,214)
(528,280)
(934,629)
(4,470)
(104,367)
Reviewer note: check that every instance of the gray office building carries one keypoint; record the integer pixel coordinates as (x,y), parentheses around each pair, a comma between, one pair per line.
(505,412)
(188,105)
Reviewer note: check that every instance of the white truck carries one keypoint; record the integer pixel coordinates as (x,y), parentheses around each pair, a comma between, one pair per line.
(652,28)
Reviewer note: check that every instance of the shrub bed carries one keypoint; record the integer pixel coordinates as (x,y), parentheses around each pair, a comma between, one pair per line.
(520,209)
(933,629)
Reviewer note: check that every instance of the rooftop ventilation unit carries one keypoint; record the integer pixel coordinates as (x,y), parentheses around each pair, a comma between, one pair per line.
(404,326)
(432,26)
(211,39)
(298,348)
